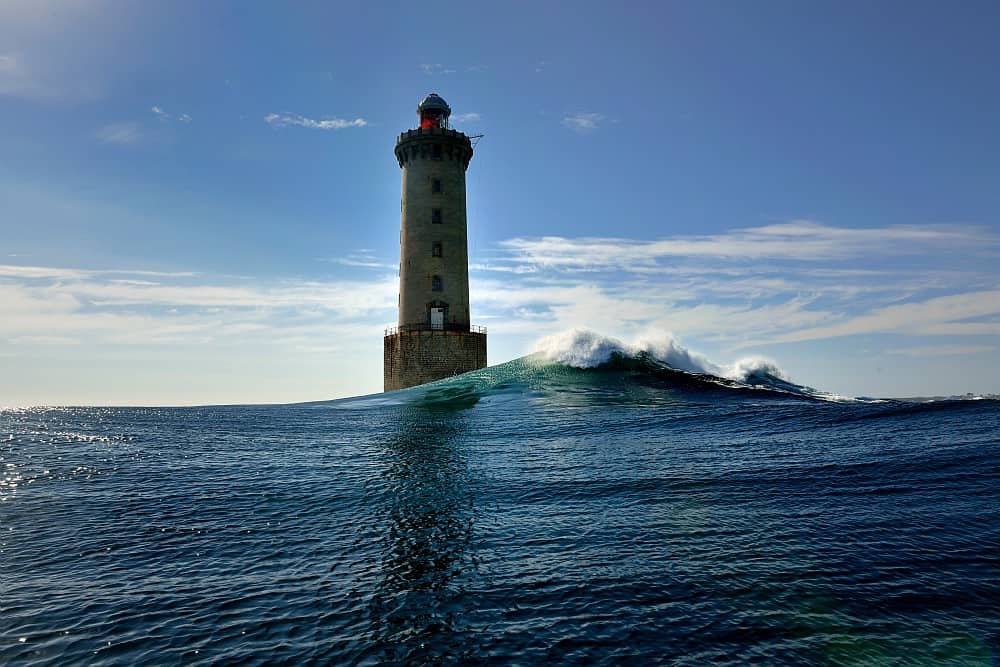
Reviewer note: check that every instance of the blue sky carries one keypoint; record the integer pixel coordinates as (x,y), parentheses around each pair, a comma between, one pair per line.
(199,201)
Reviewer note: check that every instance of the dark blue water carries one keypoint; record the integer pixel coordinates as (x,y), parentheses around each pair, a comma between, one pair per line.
(520,515)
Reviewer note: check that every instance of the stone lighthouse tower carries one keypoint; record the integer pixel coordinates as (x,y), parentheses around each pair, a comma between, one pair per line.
(434,338)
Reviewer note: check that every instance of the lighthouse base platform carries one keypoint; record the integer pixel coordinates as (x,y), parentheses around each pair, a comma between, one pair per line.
(413,356)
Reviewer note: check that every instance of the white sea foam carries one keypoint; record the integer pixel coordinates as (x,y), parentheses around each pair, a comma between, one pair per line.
(749,367)
(580,348)
(583,348)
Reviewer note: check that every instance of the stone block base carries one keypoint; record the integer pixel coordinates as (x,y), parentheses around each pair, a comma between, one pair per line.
(417,357)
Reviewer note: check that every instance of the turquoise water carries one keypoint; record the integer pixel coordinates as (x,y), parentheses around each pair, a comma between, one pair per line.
(525,514)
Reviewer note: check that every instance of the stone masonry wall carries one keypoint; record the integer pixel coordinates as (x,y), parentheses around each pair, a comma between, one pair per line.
(419,234)
(417,357)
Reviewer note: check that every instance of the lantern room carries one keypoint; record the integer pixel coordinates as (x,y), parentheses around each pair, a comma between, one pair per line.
(433,111)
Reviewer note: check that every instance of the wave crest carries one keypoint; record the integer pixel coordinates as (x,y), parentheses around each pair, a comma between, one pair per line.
(755,367)
(583,348)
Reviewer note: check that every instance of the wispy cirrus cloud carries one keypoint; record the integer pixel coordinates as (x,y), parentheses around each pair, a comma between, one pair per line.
(164,116)
(466,117)
(780,283)
(788,282)
(52,305)
(934,316)
(583,122)
(721,293)
(22,271)
(286,119)
(940,350)
(122,134)
(432,69)
(362,259)
(796,240)
(436,68)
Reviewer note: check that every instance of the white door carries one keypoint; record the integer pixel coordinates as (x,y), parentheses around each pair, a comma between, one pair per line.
(437,318)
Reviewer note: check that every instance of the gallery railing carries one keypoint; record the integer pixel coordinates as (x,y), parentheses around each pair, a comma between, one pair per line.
(407,328)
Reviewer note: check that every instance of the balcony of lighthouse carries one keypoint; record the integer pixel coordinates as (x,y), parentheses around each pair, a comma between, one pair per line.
(420,144)
(415,328)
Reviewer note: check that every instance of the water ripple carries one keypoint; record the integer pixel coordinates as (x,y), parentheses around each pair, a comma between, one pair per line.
(606,519)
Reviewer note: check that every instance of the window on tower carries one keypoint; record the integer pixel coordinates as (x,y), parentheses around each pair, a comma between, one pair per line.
(436,185)
(436,152)
(436,216)
(436,249)
(436,284)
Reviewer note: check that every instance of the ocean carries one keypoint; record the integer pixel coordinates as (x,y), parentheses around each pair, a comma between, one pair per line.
(624,512)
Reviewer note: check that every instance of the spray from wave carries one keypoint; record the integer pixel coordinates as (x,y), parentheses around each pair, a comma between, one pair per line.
(583,348)
(560,366)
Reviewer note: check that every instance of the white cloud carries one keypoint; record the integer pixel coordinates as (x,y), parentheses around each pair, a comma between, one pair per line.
(58,306)
(164,116)
(730,290)
(941,350)
(13,271)
(363,259)
(796,240)
(919,317)
(465,117)
(583,122)
(120,133)
(284,119)
(436,68)
(628,307)
(777,283)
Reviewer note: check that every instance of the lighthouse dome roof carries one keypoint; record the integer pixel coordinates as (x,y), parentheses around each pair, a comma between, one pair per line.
(434,101)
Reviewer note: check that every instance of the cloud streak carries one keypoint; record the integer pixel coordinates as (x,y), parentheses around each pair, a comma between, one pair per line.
(800,240)
(721,293)
(436,68)
(49,306)
(781,283)
(583,122)
(122,134)
(164,116)
(925,317)
(287,119)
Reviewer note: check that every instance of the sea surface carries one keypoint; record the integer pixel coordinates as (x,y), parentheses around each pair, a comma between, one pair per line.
(529,513)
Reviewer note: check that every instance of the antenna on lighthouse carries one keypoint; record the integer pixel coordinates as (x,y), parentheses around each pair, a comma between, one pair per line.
(475,139)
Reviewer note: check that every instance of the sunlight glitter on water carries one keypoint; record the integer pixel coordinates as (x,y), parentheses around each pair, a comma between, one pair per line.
(529,514)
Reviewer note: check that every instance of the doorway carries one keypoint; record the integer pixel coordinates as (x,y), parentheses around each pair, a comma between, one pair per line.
(437,318)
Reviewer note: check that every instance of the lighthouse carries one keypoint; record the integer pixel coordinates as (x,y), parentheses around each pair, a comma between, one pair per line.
(434,338)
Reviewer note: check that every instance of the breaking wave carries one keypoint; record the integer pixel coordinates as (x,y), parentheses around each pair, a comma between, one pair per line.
(587,349)
(583,348)
(581,365)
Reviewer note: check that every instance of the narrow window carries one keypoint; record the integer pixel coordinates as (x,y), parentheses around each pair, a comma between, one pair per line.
(436,284)
(436,249)
(436,151)
(436,216)
(436,185)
